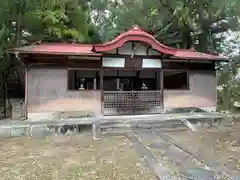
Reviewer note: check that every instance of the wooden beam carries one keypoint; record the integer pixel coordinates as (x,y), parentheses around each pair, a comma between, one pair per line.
(130,69)
(187,66)
(135,56)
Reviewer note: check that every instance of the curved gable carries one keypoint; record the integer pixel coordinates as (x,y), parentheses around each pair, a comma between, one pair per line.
(135,34)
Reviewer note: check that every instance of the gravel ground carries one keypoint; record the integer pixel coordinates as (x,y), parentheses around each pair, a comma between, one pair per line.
(216,147)
(174,159)
(72,157)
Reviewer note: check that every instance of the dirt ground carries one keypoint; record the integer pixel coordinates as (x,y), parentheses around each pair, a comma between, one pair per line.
(72,157)
(76,157)
(215,146)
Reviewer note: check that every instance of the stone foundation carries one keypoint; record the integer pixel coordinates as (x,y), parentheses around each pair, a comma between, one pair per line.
(55,116)
(17,108)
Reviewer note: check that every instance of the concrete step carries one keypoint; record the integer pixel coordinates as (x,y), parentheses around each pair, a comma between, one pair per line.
(121,131)
(163,126)
(144,124)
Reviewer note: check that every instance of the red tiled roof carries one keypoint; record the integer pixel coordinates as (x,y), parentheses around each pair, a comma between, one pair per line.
(58,48)
(190,54)
(134,34)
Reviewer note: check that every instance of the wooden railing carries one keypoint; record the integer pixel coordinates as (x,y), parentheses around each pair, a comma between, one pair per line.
(133,102)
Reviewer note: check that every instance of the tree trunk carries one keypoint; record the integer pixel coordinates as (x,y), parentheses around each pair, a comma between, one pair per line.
(4,88)
(4,103)
(19,29)
(186,40)
(203,42)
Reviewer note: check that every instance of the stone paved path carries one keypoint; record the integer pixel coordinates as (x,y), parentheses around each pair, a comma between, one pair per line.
(178,163)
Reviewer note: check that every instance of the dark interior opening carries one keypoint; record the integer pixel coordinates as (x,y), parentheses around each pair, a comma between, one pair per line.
(83,79)
(175,80)
(123,80)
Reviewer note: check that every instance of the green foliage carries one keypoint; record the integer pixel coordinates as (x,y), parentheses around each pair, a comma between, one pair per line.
(63,21)
(26,21)
(177,23)
(229,81)
(47,20)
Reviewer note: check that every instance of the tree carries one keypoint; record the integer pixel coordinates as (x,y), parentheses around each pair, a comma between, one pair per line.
(23,22)
(177,23)
(58,22)
(228,75)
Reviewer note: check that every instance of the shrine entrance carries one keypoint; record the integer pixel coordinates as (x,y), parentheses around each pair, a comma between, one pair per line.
(132,92)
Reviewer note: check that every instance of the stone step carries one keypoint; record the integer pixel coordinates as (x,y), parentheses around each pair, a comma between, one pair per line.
(137,127)
(126,130)
(144,124)
(149,128)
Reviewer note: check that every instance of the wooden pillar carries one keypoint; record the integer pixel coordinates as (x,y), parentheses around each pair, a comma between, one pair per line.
(73,81)
(102,90)
(162,86)
(118,83)
(26,93)
(95,83)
